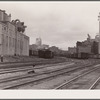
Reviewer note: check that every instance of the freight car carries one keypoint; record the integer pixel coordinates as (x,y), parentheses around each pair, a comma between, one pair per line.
(74,55)
(33,53)
(45,53)
(81,55)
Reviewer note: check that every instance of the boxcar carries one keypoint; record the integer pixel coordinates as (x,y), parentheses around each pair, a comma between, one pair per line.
(83,55)
(45,53)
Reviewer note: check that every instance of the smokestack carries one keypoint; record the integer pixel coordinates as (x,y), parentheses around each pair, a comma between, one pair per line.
(99,24)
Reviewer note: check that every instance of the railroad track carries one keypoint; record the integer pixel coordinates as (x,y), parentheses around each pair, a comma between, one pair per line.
(18,67)
(23,80)
(36,61)
(23,61)
(21,69)
(28,63)
(95,84)
(77,82)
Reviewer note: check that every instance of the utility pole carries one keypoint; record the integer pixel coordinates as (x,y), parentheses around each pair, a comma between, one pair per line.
(99,33)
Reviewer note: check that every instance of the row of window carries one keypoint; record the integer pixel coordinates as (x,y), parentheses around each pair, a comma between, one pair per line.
(11,41)
(7,30)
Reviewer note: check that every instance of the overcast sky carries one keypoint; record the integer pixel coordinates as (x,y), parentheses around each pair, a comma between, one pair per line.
(57,23)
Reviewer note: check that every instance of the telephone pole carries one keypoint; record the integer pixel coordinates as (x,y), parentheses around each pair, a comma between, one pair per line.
(99,33)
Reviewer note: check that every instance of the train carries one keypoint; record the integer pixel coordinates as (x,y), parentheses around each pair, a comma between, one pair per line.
(42,53)
(45,53)
(81,55)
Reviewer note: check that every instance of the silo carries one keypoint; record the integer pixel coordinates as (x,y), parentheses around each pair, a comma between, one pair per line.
(1,15)
(5,17)
(9,18)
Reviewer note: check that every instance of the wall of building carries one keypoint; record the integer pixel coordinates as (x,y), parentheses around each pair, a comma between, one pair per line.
(22,44)
(95,47)
(25,45)
(85,49)
(33,47)
(0,39)
(3,33)
(13,42)
(7,37)
(11,38)
(1,15)
(38,41)
(71,50)
(4,16)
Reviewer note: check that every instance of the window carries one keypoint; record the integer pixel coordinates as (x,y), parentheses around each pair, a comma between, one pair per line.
(5,28)
(18,44)
(13,42)
(9,41)
(6,40)
(2,38)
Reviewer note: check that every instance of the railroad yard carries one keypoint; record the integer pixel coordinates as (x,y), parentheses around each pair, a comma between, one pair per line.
(57,73)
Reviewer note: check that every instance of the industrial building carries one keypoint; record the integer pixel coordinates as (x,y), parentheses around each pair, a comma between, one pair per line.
(72,50)
(87,48)
(13,40)
(38,41)
(33,49)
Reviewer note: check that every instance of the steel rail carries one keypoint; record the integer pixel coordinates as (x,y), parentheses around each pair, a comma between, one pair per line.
(51,75)
(31,75)
(12,70)
(13,65)
(75,78)
(94,84)
(57,59)
(44,72)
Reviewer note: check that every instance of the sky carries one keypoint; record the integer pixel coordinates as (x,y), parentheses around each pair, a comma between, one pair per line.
(61,24)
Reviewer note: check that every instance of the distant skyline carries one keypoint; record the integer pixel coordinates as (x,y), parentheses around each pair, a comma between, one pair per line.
(61,24)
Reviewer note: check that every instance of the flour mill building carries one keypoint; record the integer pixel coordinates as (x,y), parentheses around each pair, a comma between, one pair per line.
(13,40)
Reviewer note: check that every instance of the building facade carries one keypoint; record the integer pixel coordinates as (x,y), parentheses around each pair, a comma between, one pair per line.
(13,41)
(38,41)
(89,46)
(72,50)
